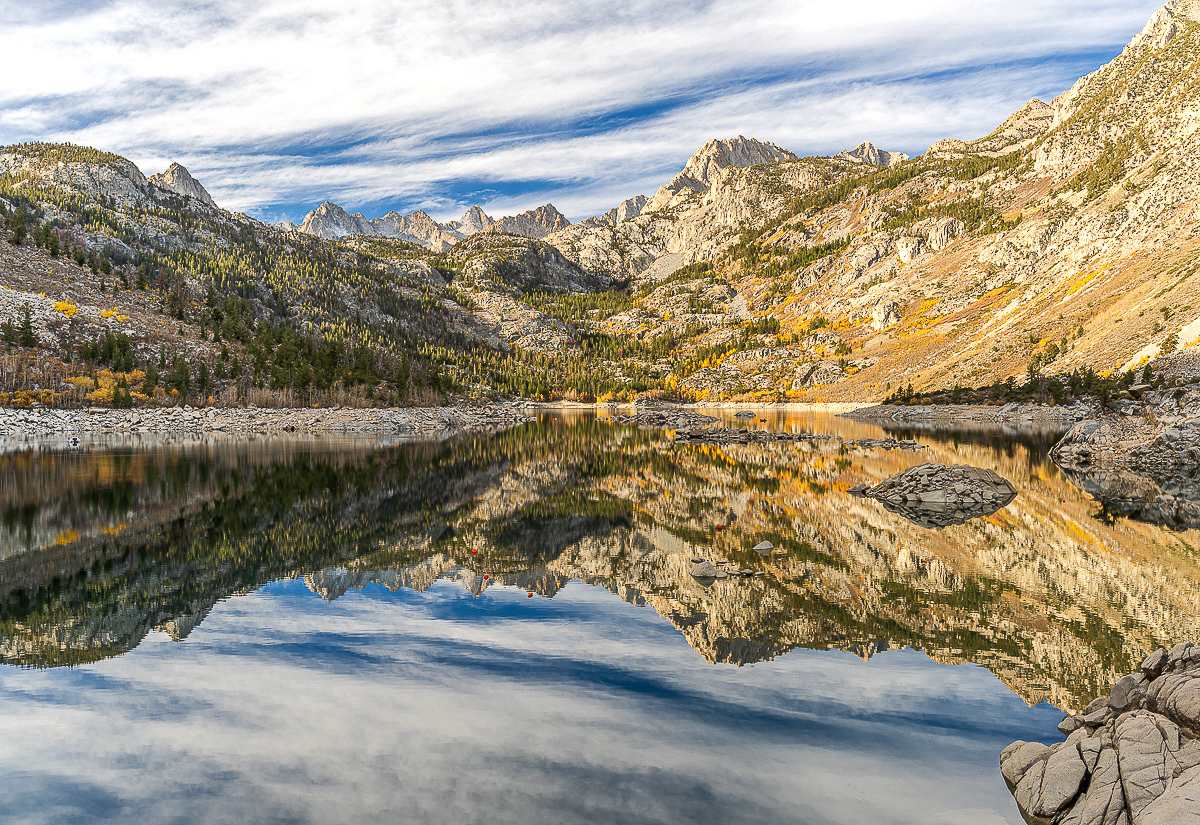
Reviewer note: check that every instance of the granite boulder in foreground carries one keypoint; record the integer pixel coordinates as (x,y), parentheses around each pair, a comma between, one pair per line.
(938,495)
(1131,758)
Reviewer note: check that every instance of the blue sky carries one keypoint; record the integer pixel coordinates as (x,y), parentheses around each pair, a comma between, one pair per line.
(438,104)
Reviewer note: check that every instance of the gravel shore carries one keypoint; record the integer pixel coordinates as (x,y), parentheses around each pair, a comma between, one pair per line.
(414,422)
(1008,414)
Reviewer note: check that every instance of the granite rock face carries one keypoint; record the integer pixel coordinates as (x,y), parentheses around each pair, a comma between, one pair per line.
(1131,758)
(179,181)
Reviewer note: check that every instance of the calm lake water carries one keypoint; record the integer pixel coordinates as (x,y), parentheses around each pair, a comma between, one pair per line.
(504,629)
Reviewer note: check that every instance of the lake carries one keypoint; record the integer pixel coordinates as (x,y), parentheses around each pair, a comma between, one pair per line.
(504,629)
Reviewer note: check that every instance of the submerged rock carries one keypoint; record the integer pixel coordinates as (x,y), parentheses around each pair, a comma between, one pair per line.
(745,414)
(1130,759)
(938,495)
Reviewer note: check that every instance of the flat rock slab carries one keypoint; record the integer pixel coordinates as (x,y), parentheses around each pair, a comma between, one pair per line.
(724,435)
(666,419)
(885,444)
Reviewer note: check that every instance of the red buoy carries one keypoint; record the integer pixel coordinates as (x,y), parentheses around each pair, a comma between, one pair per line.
(530,595)
(485,576)
(474,552)
(718,528)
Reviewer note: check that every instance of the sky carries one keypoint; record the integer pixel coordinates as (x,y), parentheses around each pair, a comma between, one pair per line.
(278,105)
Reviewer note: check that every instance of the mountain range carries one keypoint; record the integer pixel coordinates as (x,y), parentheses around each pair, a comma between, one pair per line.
(1066,239)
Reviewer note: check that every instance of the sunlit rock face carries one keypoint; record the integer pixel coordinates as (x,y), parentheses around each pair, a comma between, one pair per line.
(178,180)
(1054,600)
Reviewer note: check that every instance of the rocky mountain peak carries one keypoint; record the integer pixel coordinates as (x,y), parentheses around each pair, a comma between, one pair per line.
(331,222)
(179,181)
(534,223)
(866,152)
(707,163)
(473,220)
(1162,27)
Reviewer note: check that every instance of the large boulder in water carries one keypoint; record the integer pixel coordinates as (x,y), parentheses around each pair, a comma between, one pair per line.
(937,495)
(1131,758)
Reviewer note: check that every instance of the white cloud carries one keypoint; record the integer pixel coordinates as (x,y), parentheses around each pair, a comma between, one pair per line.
(371,102)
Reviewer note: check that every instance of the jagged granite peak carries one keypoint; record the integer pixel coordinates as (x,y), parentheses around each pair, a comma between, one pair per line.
(473,220)
(707,163)
(534,223)
(331,222)
(866,152)
(416,227)
(178,180)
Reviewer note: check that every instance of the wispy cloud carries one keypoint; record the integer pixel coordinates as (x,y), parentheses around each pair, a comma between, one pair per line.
(438,103)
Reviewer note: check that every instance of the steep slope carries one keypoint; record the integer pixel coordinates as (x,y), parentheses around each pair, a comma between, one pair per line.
(1066,239)
(126,292)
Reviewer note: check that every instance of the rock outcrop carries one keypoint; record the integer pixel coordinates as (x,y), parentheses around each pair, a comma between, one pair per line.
(938,495)
(670,419)
(1131,758)
(416,228)
(179,181)
(1157,436)
(724,435)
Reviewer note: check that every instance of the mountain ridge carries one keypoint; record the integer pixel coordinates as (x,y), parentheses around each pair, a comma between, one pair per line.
(1062,242)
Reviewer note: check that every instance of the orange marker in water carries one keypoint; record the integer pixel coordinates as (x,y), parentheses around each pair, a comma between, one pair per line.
(530,595)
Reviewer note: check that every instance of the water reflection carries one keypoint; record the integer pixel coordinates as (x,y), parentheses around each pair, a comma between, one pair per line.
(101,547)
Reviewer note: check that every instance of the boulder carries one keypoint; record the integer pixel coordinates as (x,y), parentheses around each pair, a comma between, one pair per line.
(1130,759)
(937,495)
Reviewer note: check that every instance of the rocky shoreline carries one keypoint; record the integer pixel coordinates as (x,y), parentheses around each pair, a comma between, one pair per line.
(1012,414)
(415,422)
(1131,757)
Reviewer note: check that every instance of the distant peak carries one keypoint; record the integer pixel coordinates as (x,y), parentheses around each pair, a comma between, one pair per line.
(866,152)
(179,181)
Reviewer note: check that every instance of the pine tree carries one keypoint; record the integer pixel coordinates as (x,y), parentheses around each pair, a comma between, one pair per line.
(27,337)
(151,379)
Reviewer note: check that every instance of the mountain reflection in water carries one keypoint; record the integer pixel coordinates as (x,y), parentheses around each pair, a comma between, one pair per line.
(102,546)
